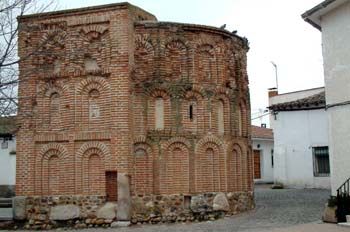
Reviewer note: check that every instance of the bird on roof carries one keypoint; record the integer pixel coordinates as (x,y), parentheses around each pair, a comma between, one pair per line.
(223,26)
(234,32)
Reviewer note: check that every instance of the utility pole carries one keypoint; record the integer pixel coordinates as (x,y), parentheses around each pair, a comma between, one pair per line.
(275,65)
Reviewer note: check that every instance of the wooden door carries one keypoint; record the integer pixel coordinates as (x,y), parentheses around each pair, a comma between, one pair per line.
(112,186)
(257,168)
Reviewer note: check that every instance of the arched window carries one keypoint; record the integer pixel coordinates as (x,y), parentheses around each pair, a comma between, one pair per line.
(221,127)
(192,111)
(159,113)
(54,108)
(94,108)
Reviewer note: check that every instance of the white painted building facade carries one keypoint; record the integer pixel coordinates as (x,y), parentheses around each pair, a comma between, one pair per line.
(7,165)
(332,17)
(300,130)
(8,129)
(263,149)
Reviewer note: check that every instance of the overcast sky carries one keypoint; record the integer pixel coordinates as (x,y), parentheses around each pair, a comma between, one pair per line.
(274,29)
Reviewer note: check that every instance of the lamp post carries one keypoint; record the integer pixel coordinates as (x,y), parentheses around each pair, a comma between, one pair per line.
(275,65)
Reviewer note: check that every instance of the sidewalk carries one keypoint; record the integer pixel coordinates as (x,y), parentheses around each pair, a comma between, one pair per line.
(314,227)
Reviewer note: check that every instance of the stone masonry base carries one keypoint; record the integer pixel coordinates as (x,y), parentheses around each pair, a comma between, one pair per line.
(78,211)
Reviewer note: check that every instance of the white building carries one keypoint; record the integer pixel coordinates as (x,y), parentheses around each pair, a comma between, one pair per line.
(263,154)
(332,17)
(299,124)
(7,157)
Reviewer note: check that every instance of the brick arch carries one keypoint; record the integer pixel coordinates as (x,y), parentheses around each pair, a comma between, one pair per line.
(175,52)
(56,147)
(194,94)
(99,147)
(46,118)
(54,36)
(243,112)
(235,167)
(197,88)
(142,179)
(144,41)
(177,140)
(210,166)
(210,139)
(206,63)
(47,88)
(98,153)
(50,165)
(174,169)
(94,28)
(140,139)
(93,113)
(159,92)
(206,47)
(177,39)
(193,121)
(222,94)
(89,83)
(144,59)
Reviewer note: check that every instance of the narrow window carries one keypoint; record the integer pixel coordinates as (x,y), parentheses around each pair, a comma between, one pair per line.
(272,161)
(159,113)
(221,117)
(191,112)
(321,161)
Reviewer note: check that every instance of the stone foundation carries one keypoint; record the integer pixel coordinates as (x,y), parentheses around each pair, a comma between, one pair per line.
(40,208)
(85,211)
(180,208)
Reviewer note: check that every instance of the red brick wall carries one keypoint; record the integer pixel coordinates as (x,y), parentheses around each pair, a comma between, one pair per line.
(87,105)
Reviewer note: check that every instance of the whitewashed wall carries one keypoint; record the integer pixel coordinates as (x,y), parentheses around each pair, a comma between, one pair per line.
(265,159)
(8,164)
(336,55)
(295,133)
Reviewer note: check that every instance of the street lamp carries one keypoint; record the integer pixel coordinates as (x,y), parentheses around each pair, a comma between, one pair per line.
(275,65)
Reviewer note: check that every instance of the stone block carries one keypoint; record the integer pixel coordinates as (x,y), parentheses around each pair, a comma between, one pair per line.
(19,208)
(124,198)
(220,203)
(64,212)
(108,211)
(120,224)
(329,214)
(200,204)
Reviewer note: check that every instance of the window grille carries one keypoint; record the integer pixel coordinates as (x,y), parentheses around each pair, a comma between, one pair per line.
(321,161)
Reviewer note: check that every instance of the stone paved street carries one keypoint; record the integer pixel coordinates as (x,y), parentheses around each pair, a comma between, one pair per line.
(275,209)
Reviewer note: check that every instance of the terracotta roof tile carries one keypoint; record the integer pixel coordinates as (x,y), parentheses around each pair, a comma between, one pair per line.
(316,101)
(262,133)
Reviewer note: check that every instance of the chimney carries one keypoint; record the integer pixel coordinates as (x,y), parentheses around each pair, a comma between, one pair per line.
(273,92)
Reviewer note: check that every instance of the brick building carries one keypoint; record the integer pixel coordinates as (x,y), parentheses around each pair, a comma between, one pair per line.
(117,106)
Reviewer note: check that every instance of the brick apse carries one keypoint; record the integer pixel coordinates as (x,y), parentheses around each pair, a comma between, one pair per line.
(116,106)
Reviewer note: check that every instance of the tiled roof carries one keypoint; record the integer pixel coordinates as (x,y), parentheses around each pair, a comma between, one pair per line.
(262,132)
(317,101)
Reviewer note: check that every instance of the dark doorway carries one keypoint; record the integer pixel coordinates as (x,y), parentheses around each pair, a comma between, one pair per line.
(257,166)
(112,185)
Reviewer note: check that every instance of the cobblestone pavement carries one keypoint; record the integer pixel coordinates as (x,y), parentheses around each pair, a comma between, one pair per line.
(274,209)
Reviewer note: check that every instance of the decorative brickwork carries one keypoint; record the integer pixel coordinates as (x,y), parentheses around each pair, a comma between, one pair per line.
(114,91)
